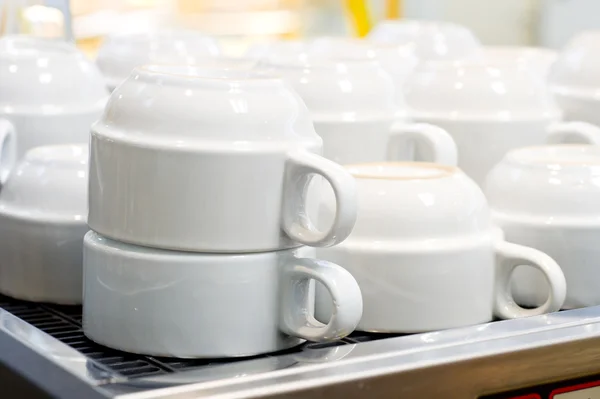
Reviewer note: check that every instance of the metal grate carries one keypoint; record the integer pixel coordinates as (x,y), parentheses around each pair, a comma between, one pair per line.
(64,324)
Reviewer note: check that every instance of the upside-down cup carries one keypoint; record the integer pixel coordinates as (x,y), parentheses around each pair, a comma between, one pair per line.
(210,160)
(426,254)
(43,211)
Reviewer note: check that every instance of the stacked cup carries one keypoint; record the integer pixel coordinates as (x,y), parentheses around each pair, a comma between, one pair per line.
(358,110)
(197,202)
(50,94)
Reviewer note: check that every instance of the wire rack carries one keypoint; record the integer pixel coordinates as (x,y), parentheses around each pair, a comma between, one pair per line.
(65,324)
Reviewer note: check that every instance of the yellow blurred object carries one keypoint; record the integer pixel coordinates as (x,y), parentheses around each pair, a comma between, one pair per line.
(393,9)
(359,13)
(90,45)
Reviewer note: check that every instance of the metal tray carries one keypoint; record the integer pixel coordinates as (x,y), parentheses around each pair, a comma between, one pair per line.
(44,345)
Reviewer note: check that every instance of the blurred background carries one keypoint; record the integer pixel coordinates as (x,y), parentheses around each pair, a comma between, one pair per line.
(239,23)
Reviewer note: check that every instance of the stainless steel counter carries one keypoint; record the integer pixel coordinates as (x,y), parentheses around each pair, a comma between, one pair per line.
(45,346)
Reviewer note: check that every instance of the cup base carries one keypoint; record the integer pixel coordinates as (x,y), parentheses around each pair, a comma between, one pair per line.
(182,354)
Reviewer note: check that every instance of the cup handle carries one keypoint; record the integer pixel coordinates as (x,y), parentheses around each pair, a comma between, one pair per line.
(300,167)
(8,149)
(433,141)
(508,257)
(297,317)
(573,132)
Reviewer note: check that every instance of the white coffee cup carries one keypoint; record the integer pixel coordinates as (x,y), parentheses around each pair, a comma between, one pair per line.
(431,40)
(426,255)
(574,78)
(487,109)
(397,60)
(358,112)
(184,304)
(547,197)
(49,92)
(43,211)
(228,175)
(119,54)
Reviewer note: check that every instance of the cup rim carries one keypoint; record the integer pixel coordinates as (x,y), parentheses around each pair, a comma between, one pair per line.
(124,249)
(41,217)
(250,76)
(76,153)
(443,170)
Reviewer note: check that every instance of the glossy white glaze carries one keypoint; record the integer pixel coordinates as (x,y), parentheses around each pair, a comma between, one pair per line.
(69,91)
(430,40)
(397,60)
(119,54)
(358,112)
(8,149)
(351,90)
(478,90)
(574,78)
(425,253)
(536,59)
(547,197)
(210,161)
(487,108)
(43,210)
(169,303)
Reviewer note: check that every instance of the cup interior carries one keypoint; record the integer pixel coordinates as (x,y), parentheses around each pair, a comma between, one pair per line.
(565,154)
(400,171)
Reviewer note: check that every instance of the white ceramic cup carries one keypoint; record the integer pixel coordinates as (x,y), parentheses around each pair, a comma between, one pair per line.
(426,255)
(358,111)
(488,109)
(43,210)
(538,60)
(49,92)
(431,40)
(228,175)
(183,304)
(397,60)
(574,78)
(8,150)
(119,54)
(547,197)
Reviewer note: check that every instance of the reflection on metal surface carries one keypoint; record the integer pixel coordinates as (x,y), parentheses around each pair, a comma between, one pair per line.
(46,346)
(465,362)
